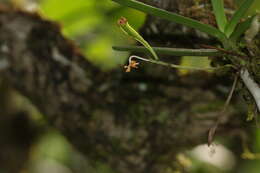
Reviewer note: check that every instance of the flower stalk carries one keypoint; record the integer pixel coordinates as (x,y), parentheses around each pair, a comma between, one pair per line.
(133,64)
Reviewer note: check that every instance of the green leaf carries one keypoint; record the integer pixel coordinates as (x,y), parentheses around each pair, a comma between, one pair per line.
(174,18)
(171,51)
(218,8)
(253,9)
(237,16)
(194,61)
(241,29)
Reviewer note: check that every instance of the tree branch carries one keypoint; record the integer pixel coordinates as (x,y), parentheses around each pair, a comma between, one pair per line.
(135,122)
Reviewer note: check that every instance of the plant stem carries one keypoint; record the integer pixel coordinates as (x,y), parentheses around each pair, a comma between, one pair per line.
(176,66)
(171,51)
(251,85)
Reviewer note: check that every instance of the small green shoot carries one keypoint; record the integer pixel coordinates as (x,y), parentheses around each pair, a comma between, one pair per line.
(127,29)
(219,11)
(237,17)
(241,29)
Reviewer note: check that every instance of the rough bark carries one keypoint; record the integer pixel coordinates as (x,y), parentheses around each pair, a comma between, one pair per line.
(135,122)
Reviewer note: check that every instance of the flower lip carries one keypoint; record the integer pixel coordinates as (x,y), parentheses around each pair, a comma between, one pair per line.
(132,64)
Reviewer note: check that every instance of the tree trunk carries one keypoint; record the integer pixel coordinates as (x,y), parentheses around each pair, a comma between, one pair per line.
(135,122)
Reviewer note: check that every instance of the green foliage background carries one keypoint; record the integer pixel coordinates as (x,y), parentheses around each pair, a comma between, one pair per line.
(92,24)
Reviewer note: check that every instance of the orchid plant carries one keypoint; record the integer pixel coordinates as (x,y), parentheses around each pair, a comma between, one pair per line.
(236,36)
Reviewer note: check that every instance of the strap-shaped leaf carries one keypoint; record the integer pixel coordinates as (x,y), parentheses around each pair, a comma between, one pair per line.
(173,17)
(237,16)
(219,11)
(241,28)
(171,51)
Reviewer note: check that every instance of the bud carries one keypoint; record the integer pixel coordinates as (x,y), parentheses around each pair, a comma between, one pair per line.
(127,29)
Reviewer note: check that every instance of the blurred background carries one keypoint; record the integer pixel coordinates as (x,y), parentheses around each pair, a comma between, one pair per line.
(92,25)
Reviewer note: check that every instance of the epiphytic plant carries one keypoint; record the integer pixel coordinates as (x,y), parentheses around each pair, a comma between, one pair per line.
(238,49)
